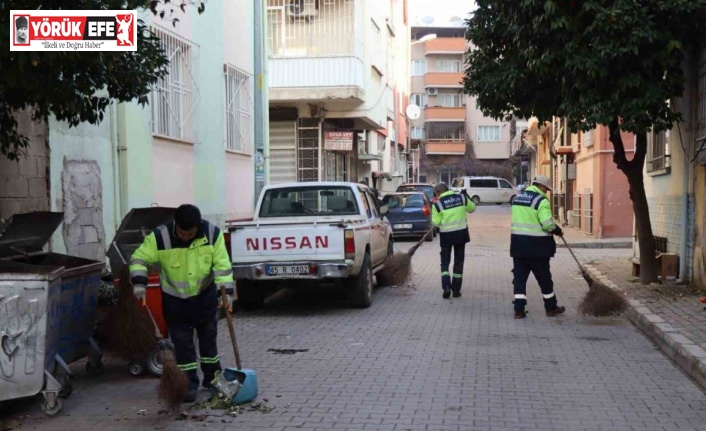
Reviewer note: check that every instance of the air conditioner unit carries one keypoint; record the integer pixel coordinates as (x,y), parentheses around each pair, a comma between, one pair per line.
(432,91)
(305,9)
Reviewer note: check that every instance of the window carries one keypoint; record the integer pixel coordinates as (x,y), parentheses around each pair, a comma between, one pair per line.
(365,202)
(238,110)
(417,132)
(419,99)
(374,211)
(486,184)
(658,155)
(449,100)
(454,130)
(419,67)
(505,184)
(457,182)
(175,97)
(377,48)
(448,66)
(308,201)
(488,134)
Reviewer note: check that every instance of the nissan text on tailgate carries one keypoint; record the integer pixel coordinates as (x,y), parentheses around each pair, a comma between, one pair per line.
(311,232)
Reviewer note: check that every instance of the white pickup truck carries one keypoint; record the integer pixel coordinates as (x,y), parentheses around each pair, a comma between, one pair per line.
(308,232)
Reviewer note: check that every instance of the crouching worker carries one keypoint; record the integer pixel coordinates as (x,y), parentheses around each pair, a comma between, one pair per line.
(194,264)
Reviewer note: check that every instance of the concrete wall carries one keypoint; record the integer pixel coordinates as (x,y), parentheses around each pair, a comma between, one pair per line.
(82,186)
(486,150)
(23,183)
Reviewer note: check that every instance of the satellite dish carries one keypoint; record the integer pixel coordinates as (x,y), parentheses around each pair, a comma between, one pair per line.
(413,112)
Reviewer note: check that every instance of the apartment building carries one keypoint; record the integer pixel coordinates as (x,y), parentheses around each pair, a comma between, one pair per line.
(338,78)
(451,135)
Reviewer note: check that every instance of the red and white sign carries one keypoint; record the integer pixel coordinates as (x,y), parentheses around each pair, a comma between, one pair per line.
(73,30)
(338,141)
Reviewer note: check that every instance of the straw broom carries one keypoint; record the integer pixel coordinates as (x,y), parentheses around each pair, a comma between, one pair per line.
(174,384)
(398,267)
(600,300)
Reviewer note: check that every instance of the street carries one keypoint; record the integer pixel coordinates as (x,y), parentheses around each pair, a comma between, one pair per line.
(414,361)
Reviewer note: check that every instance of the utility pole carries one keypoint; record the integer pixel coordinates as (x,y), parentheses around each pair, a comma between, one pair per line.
(261,157)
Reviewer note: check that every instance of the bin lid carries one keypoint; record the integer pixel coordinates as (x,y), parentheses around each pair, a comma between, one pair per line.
(28,233)
(136,225)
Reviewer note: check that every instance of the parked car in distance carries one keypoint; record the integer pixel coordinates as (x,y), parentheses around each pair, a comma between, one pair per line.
(486,189)
(426,188)
(410,214)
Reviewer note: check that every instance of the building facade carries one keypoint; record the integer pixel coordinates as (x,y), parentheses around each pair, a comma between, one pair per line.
(193,142)
(452,137)
(338,86)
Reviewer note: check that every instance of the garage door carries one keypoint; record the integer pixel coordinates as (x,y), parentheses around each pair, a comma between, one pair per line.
(283,152)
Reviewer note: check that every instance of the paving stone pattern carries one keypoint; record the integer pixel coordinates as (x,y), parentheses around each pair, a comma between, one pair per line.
(414,361)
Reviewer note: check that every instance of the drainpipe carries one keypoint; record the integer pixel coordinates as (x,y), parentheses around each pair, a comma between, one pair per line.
(260,167)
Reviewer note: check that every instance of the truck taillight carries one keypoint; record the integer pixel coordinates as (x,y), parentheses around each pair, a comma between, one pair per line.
(349,243)
(226,238)
(425,211)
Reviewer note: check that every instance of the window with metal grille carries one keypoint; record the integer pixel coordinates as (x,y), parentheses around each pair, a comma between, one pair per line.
(446,130)
(297,28)
(488,134)
(308,149)
(238,109)
(175,98)
(658,152)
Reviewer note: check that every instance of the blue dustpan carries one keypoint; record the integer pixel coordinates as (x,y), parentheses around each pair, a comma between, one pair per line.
(247,378)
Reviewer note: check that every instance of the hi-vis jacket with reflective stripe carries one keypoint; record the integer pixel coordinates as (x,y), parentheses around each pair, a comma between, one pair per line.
(532,223)
(188,271)
(449,214)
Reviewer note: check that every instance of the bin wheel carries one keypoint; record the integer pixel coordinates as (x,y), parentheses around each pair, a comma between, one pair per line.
(66,386)
(94,368)
(51,411)
(136,368)
(154,360)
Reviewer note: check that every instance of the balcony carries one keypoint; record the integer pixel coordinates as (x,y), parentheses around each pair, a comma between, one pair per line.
(316,78)
(445,45)
(443,80)
(445,147)
(445,114)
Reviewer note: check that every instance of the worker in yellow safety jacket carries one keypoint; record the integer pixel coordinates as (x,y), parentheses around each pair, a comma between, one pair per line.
(449,215)
(532,245)
(193,261)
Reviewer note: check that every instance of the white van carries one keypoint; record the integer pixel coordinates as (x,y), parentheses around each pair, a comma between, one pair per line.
(486,189)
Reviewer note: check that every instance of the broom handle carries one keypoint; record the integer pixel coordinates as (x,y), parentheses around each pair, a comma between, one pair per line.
(419,243)
(573,255)
(231,329)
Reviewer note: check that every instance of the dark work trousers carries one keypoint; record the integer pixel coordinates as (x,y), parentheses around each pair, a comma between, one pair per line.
(540,269)
(452,280)
(182,335)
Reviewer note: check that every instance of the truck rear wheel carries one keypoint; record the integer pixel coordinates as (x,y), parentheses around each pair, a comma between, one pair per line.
(361,286)
(250,295)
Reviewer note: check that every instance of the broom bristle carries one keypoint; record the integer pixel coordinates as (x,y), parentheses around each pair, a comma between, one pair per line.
(398,269)
(132,333)
(174,384)
(601,300)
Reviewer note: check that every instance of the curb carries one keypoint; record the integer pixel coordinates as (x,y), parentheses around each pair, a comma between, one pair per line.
(680,349)
(614,244)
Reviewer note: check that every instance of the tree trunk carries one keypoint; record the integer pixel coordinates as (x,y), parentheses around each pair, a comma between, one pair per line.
(633,171)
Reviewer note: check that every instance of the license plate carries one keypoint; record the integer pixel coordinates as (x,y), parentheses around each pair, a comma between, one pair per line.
(402,226)
(280,270)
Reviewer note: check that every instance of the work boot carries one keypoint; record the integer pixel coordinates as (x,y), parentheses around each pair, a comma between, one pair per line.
(555,312)
(447,293)
(191,395)
(457,294)
(520,314)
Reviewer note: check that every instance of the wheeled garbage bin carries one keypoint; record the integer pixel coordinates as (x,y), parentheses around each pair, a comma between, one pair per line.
(133,230)
(71,285)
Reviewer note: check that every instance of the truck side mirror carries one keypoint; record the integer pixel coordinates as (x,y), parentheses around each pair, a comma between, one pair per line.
(384,210)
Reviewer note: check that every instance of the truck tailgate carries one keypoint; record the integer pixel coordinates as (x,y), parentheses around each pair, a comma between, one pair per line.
(290,242)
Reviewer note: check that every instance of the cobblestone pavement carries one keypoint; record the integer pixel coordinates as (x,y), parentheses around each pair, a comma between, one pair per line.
(414,361)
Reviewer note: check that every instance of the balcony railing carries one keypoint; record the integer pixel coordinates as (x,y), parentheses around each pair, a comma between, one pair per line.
(445,45)
(443,80)
(447,114)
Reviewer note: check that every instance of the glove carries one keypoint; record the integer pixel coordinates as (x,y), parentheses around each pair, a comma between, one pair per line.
(139,292)
(557,231)
(464,192)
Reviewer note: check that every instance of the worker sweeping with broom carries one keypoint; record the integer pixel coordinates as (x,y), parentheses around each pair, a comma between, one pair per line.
(532,245)
(193,259)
